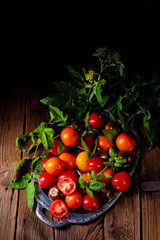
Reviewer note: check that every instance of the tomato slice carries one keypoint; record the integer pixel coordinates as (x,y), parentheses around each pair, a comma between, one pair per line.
(67,185)
(58,209)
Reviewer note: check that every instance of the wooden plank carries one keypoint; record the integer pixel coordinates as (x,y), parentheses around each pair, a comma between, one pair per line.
(122,221)
(28,225)
(11,124)
(150,201)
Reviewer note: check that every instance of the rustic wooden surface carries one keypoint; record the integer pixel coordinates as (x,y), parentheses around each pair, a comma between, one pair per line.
(136,215)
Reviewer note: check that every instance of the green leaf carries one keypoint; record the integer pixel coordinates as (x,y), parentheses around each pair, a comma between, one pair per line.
(30,193)
(74,72)
(96,185)
(86,118)
(89,192)
(60,146)
(110,134)
(99,177)
(83,184)
(116,164)
(39,129)
(101,101)
(20,164)
(21,183)
(88,152)
(93,174)
(112,152)
(89,176)
(57,116)
(36,175)
(21,139)
(94,149)
(120,160)
(47,138)
(107,176)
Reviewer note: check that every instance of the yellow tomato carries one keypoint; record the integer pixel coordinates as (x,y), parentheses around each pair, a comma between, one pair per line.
(81,161)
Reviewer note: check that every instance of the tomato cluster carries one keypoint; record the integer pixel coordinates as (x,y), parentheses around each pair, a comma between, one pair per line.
(76,181)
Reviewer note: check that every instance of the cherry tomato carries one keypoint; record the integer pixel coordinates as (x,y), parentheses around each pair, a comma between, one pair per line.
(85,177)
(96,164)
(126,156)
(69,137)
(110,172)
(96,120)
(112,125)
(104,144)
(90,204)
(89,140)
(54,166)
(81,161)
(47,180)
(68,173)
(43,163)
(121,181)
(125,143)
(67,185)
(69,160)
(105,193)
(54,149)
(73,200)
(58,209)
(54,193)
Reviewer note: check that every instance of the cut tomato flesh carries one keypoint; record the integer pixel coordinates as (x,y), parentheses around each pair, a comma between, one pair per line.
(67,185)
(58,209)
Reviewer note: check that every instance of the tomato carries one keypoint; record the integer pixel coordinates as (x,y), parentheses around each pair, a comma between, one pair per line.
(54,193)
(43,163)
(58,209)
(67,185)
(96,120)
(85,177)
(47,180)
(125,143)
(68,173)
(105,193)
(104,144)
(73,200)
(54,166)
(54,149)
(69,137)
(90,204)
(89,140)
(121,181)
(110,172)
(81,161)
(111,125)
(69,160)
(96,164)
(127,156)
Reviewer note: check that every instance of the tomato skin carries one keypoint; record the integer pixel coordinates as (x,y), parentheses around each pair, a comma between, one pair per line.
(54,193)
(54,166)
(67,185)
(125,143)
(121,181)
(47,180)
(69,160)
(69,137)
(73,200)
(110,172)
(58,209)
(96,120)
(54,149)
(96,164)
(68,173)
(85,177)
(81,161)
(104,144)
(89,140)
(111,125)
(43,163)
(90,204)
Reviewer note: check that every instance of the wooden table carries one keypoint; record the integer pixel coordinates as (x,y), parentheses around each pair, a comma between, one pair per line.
(136,215)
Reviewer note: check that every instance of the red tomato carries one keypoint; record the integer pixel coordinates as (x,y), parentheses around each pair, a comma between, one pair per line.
(104,144)
(58,209)
(110,172)
(54,166)
(90,204)
(47,180)
(69,137)
(67,185)
(111,125)
(121,181)
(89,140)
(73,200)
(96,164)
(68,173)
(54,149)
(125,143)
(43,163)
(96,120)
(69,160)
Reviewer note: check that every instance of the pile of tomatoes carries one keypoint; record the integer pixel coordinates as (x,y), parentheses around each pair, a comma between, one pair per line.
(62,170)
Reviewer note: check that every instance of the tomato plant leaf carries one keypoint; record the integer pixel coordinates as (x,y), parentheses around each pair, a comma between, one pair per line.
(21,183)
(107,176)
(57,116)
(60,146)
(20,164)
(110,134)
(89,192)
(96,185)
(112,152)
(20,140)
(30,194)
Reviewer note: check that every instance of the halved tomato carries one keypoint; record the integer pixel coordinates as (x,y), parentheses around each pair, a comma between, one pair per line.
(67,185)
(58,209)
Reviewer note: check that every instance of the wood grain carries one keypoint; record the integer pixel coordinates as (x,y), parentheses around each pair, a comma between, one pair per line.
(11,125)
(150,201)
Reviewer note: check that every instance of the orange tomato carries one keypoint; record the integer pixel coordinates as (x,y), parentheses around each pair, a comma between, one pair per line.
(69,137)
(81,161)
(54,166)
(69,160)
